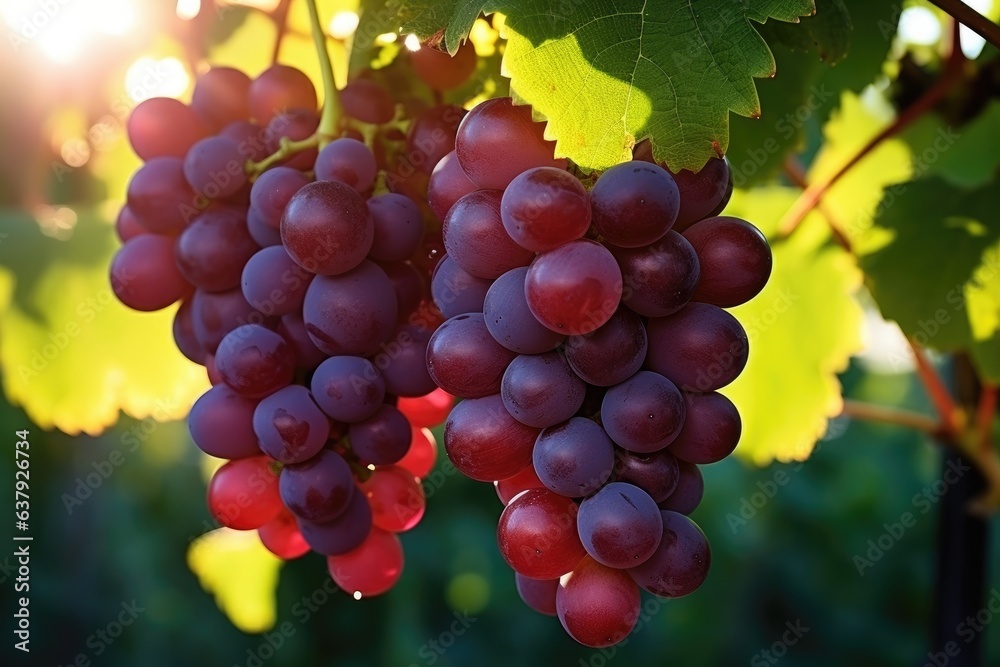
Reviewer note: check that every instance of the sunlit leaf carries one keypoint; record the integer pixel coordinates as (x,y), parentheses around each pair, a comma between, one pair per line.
(240,573)
(71,354)
(803,328)
(607,74)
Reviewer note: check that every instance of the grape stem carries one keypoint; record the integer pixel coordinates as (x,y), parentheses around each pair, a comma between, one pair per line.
(280,18)
(286,149)
(952,418)
(813,195)
(880,413)
(331,98)
(972,19)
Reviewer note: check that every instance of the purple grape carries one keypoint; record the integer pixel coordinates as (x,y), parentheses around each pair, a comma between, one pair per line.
(432,135)
(712,428)
(214,167)
(221,424)
(213,250)
(408,284)
(262,235)
(541,390)
(464,360)
(544,208)
(294,125)
(537,534)
(163,127)
(689,491)
(643,414)
(277,89)
(704,193)
(144,275)
(347,161)
(700,347)
(183,330)
(404,363)
(496,141)
(456,291)
(220,96)
(597,605)
(353,313)
(349,389)
(293,330)
(611,354)
(634,204)
(656,473)
(368,102)
(659,278)
(318,489)
(327,228)
(343,534)
(273,283)
(126,225)
(575,288)
(399,227)
(255,361)
(248,137)
(574,458)
(539,594)
(735,260)
(215,314)
(509,319)
(289,425)
(272,191)
(383,438)
(620,525)
(447,185)
(484,442)
(680,564)
(160,197)
(476,240)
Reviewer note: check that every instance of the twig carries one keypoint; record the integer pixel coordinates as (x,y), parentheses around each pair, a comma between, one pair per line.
(331,98)
(280,18)
(812,195)
(796,174)
(972,19)
(985,410)
(286,149)
(887,415)
(947,410)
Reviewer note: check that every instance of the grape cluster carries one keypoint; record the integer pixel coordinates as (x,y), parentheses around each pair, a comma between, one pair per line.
(306,296)
(587,336)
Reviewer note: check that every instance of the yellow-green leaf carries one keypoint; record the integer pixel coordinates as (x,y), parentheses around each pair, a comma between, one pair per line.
(803,328)
(70,353)
(240,573)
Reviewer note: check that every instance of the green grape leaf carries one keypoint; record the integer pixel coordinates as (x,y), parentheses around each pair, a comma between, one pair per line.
(827,32)
(854,200)
(803,328)
(608,74)
(240,573)
(805,91)
(70,353)
(937,276)
(965,156)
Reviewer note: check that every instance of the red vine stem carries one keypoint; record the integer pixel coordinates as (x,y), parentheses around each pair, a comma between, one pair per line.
(813,194)
(984,417)
(280,18)
(887,415)
(948,411)
(969,17)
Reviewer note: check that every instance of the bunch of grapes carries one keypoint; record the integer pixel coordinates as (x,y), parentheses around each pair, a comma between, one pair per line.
(305,295)
(588,337)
